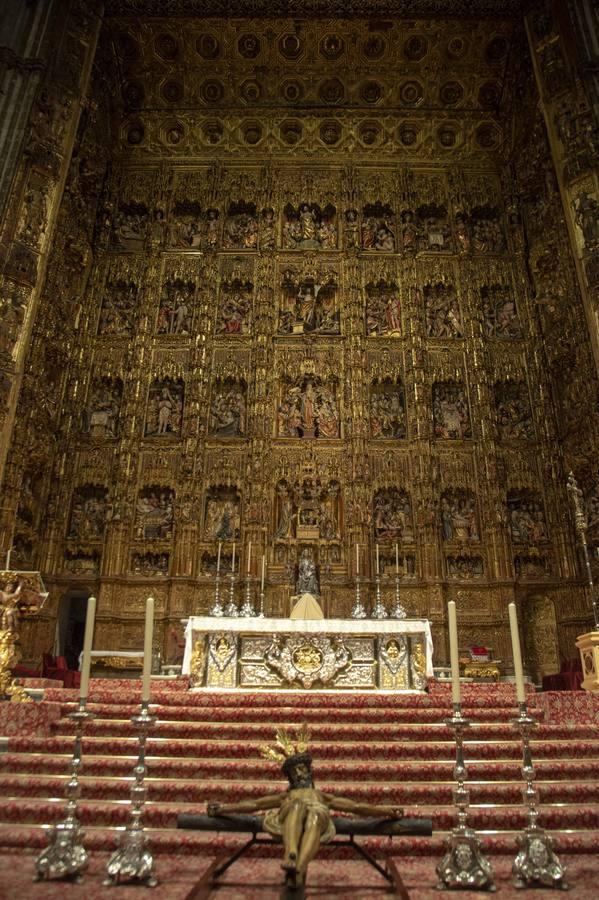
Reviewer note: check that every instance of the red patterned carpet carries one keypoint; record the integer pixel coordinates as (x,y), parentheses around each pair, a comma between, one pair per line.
(375,747)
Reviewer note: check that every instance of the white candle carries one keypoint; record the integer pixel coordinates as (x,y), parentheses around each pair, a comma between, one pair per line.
(453,653)
(90,617)
(263,571)
(357,559)
(233,558)
(396,560)
(8,559)
(249,557)
(218,558)
(148,634)
(518,671)
(377,560)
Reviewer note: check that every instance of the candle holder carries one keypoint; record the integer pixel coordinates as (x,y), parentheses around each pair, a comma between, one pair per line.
(217,607)
(535,865)
(231,610)
(261,613)
(398,611)
(247,608)
(581,525)
(379,611)
(358,612)
(133,861)
(464,865)
(65,858)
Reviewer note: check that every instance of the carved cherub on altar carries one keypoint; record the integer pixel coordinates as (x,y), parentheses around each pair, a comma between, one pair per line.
(302,814)
(9,597)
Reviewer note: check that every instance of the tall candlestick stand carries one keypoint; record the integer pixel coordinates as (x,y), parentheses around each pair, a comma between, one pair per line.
(378,611)
(358,612)
(231,610)
(580,523)
(133,861)
(247,609)
(217,607)
(535,865)
(398,611)
(464,865)
(65,857)
(261,613)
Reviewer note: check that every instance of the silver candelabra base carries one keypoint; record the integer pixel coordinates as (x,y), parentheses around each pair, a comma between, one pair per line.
(217,607)
(247,607)
(358,611)
(378,610)
(398,611)
(231,610)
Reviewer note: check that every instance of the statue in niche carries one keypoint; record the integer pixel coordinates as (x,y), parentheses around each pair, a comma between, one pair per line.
(442,311)
(410,232)
(88,513)
(499,312)
(34,214)
(586,216)
(174,314)
(79,563)
(392,517)
(526,517)
(222,516)
(233,316)
(268,229)
(185,227)
(150,564)
(487,233)
(351,230)
(458,516)
(117,315)
(434,233)
(450,411)
(307,578)
(307,510)
(285,522)
(378,231)
(308,411)
(465,567)
(154,513)
(22,553)
(514,416)
(310,227)
(387,410)
(165,408)
(228,411)
(529,566)
(241,227)
(463,233)
(157,228)
(308,307)
(130,226)
(383,310)
(100,417)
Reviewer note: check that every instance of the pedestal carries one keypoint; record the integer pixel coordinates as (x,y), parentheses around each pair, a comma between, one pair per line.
(588,644)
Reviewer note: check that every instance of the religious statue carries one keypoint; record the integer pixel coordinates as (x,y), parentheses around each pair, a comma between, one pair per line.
(307,580)
(301,816)
(165,408)
(500,313)
(268,229)
(227,411)
(442,311)
(241,227)
(514,416)
(9,598)
(450,411)
(234,309)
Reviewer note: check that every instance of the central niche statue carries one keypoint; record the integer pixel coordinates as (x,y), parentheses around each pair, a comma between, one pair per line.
(307,580)
(302,814)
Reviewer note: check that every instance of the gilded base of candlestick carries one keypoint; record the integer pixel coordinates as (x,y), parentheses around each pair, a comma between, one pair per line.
(65,858)
(133,861)
(464,866)
(535,865)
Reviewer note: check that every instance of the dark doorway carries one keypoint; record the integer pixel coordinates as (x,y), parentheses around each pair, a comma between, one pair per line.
(71,626)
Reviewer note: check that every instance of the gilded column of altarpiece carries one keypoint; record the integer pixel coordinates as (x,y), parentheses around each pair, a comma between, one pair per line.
(309,332)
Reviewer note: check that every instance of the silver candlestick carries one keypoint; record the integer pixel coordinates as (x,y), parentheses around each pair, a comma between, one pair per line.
(379,611)
(261,613)
(217,607)
(581,525)
(133,861)
(247,609)
(398,611)
(231,610)
(65,857)
(535,865)
(358,612)
(463,866)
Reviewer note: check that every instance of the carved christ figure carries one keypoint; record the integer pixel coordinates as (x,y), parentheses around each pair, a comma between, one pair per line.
(302,814)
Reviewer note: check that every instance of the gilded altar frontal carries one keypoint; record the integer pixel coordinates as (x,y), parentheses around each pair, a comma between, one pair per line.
(320,281)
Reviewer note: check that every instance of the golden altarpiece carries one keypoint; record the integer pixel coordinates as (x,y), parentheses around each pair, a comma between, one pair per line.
(306,283)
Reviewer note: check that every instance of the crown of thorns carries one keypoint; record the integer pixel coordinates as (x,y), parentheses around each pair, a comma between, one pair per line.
(286,746)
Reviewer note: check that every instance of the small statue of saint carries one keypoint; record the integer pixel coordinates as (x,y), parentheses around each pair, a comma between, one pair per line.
(307,580)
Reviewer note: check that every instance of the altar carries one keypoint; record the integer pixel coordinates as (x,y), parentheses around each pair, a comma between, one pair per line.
(305,654)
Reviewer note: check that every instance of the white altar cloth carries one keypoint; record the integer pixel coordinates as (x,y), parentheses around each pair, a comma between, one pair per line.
(307,626)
